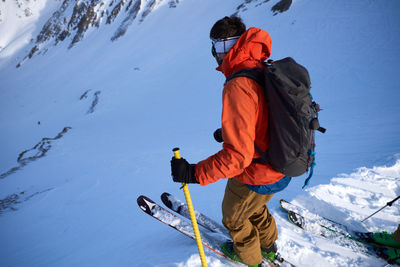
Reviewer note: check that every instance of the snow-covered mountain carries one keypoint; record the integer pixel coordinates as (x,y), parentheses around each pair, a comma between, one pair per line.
(94,94)
(72,19)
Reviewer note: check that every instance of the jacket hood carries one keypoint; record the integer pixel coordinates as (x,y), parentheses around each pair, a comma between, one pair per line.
(250,51)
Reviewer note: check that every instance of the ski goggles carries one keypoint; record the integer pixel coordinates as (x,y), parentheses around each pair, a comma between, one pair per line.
(223,45)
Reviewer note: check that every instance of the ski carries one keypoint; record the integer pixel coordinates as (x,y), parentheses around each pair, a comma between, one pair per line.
(315,224)
(181,208)
(307,216)
(210,240)
(206,222)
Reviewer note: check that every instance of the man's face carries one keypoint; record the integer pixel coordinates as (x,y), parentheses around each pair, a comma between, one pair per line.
(219,57)
(221,46)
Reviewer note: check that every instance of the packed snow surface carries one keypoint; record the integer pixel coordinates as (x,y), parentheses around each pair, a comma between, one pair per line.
(87,129)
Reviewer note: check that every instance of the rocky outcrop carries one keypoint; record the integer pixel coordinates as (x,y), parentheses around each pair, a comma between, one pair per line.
(95,101)
(71,21)
(133,12)
(38,151)
(11,202)
(279,7)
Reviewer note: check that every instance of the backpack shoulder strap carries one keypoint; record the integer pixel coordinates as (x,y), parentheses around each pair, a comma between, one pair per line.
(257,74)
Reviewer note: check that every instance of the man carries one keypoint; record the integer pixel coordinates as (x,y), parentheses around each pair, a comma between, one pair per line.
(244,123)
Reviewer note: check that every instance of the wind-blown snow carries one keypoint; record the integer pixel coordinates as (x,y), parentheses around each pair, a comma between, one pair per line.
(127,103)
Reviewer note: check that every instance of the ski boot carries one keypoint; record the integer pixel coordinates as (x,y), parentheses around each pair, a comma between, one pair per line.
(392,255)
(270,253)
(385,239)
(227,249)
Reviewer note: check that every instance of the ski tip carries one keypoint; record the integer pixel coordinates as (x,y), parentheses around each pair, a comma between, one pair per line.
(165,194)
(140,198)
(281,204)
(165,199)
(296,219)
(145,204)
(283,201)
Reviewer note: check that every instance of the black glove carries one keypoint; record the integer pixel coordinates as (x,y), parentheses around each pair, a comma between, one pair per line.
(218,135)
(182,171)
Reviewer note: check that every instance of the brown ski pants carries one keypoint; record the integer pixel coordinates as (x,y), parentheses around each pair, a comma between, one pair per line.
(250,224)
(396,234)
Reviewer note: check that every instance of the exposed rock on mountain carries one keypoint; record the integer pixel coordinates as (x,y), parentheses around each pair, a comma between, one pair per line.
(74,18)
(279,7)
(38,151)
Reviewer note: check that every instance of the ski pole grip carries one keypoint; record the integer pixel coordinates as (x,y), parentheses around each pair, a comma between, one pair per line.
(177,153)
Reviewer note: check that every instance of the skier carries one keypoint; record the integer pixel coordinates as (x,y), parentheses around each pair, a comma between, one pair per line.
(244,123)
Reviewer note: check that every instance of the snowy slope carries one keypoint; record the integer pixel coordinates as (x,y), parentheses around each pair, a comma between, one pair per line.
(89,128)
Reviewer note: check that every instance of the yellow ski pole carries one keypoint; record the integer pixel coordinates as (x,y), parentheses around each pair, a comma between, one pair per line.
(192,215)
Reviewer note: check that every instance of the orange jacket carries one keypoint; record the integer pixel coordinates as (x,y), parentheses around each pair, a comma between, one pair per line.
(244,118)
